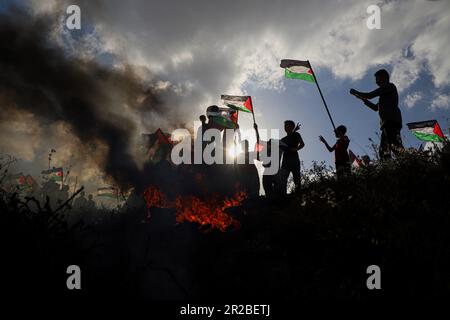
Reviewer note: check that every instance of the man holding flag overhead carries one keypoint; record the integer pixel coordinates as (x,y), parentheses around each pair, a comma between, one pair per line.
(389,112)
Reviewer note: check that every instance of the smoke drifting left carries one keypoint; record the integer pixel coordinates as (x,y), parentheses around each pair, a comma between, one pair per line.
(37,76)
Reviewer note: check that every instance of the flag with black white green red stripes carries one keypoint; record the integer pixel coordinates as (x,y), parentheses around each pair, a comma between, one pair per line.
(241,103)
(297,69)
(427,131)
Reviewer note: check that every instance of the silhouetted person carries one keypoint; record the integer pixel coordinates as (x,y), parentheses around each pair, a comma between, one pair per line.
(90,205)
(389,112)
(63,195)
(366,160)
(291,161)
(341,157)
(80,202)
(211,112)
(50,189)
(203,121)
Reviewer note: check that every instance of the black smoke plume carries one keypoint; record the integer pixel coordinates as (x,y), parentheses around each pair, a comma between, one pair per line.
(39,76)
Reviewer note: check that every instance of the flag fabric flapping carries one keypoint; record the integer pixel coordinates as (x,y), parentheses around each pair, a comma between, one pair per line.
(19,182)
(427,131)
(108,192)
(224,117)
(55,174)
(156,146)
(354,160)
(297,69)
(241,103)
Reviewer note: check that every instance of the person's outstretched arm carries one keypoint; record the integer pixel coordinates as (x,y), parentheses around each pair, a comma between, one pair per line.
(371,105)
(331,149)
(367,95)
(362,96)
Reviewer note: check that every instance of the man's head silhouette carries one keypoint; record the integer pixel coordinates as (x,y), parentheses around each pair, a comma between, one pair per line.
(289,126)
(381,77)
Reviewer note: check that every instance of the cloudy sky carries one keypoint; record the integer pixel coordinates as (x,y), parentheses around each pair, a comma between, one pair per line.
(194,51)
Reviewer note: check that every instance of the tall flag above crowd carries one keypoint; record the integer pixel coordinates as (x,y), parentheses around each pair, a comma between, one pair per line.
(299,69)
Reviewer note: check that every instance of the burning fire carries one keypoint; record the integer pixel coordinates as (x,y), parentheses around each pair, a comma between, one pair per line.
(209,214)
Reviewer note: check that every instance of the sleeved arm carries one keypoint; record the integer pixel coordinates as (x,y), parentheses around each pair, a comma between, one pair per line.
(370,95)
(371,105)
(331,149)
(300,141)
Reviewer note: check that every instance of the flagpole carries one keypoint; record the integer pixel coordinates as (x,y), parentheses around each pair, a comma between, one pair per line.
(256,129)
(321,95)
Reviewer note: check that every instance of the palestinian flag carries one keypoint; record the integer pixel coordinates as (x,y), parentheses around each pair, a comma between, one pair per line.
(55,174)
(19,182)
(224,118)
(241,103)
(108,192)
(16,179)
(354,160)
(157,145)
(296,69)
(427,131)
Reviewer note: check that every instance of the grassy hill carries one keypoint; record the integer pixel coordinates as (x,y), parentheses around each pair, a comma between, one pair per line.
(314,244)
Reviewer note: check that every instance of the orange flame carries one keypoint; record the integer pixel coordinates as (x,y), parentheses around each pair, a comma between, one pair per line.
(154,198)
(209,214)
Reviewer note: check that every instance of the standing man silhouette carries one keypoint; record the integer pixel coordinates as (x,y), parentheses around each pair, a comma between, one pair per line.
(291,162)
(389,112)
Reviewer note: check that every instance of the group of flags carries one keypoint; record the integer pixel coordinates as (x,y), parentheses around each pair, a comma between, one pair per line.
(20,182)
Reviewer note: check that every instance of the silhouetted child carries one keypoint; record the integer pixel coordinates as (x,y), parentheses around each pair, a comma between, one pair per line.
(342,160)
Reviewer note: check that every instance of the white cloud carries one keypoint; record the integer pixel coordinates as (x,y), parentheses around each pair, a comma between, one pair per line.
(441,101)
(412,98)
(405,72)
(221,45)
